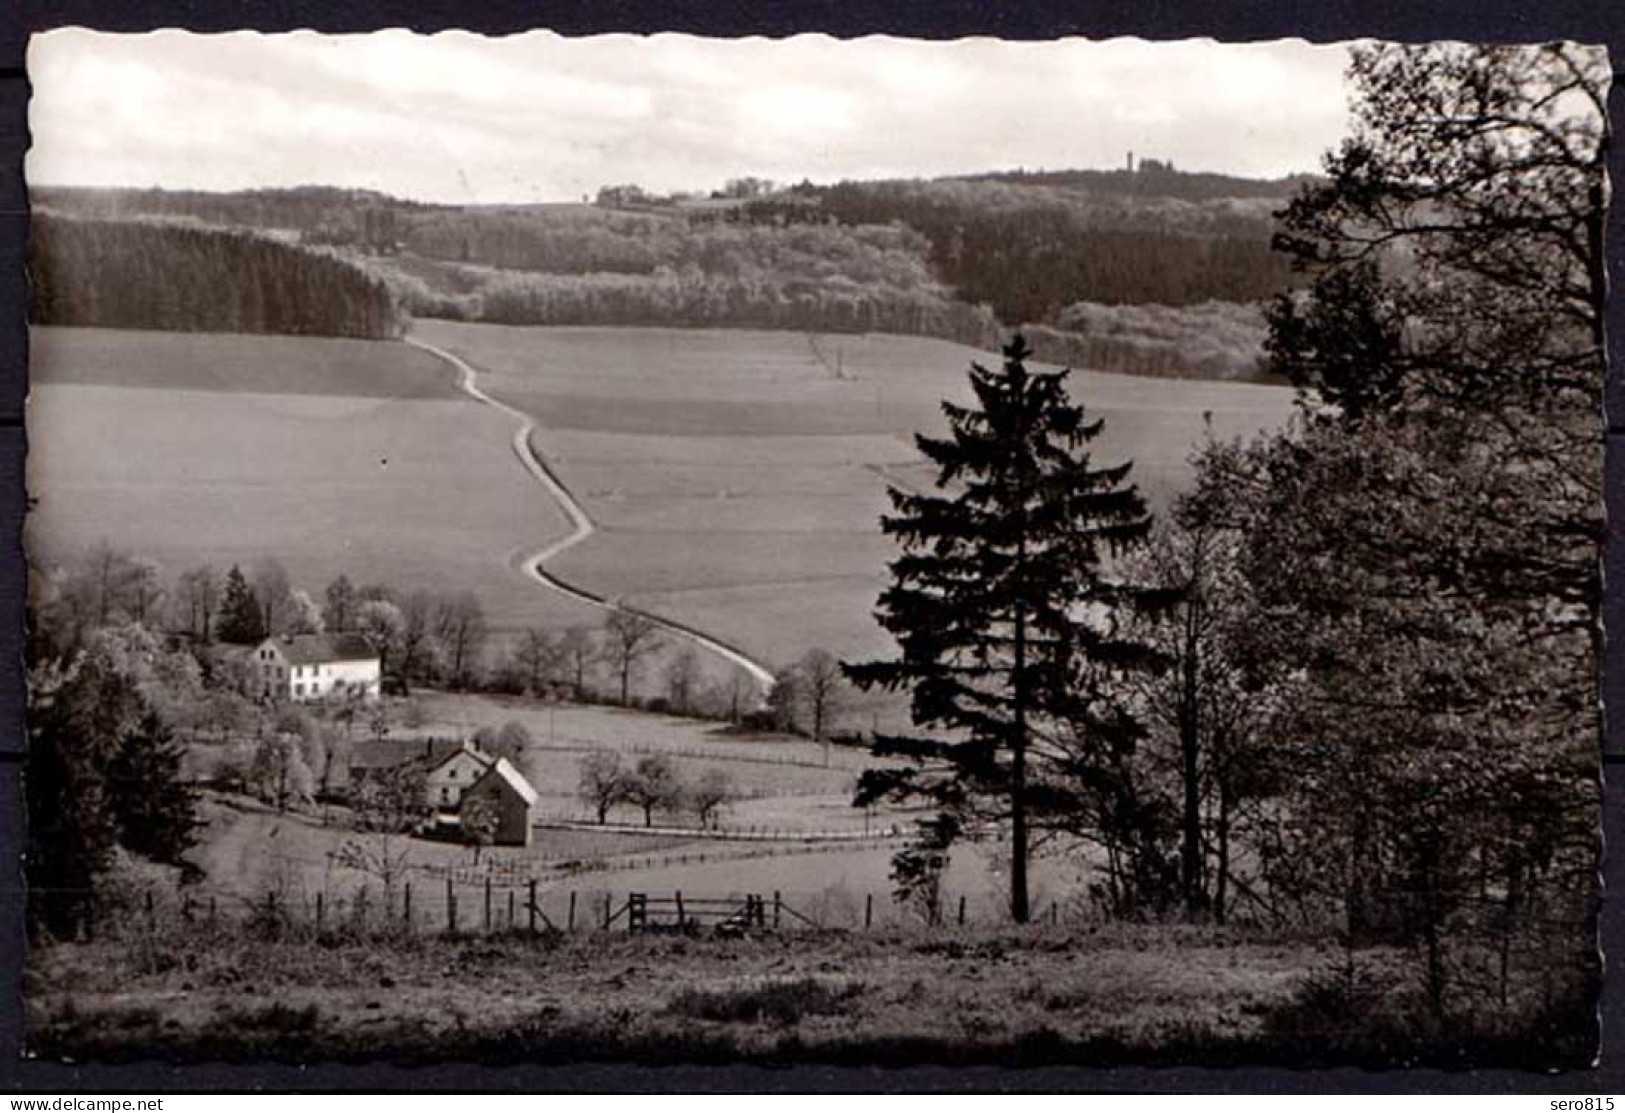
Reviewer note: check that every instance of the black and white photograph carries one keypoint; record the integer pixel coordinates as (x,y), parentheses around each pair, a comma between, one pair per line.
(869,552)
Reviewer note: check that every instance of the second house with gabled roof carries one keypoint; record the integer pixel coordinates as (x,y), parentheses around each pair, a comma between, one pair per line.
(447,777)
(307,667)
(510,800)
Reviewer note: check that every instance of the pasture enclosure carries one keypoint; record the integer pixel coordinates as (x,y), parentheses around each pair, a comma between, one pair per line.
(247,850)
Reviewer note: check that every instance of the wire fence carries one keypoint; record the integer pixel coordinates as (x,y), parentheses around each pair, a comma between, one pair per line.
(842,758)
(451,906)
(869,832)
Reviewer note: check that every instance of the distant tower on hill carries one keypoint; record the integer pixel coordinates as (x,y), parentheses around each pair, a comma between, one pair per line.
(1131,162)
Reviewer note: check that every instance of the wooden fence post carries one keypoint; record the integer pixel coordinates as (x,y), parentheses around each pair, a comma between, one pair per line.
(572,920)
(606,911)
(778,907)
(682,920)
(1054,913)
(510,910)
(451,907)
(868,910)
(961,909)
(318,912)
(406,908)
(488,906)
(533,905)
(151,923)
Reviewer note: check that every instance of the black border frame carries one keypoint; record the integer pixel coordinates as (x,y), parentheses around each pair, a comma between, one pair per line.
(1592,21)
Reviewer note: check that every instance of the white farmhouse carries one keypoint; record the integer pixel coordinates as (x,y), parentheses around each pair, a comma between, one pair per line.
(447,779)
(305,667)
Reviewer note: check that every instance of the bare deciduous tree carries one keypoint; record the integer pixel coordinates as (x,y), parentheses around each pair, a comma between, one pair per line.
(710,796)
(460,628)
(653,786)
(603,782)
(630,637)
(823,689)
(683,682)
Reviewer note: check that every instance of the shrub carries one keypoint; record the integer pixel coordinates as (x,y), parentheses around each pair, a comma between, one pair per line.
(776,1002)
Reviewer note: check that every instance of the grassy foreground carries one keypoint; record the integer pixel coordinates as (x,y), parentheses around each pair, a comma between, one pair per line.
(1085,996)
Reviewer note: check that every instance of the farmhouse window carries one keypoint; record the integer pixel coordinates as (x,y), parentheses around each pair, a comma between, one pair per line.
(298,689)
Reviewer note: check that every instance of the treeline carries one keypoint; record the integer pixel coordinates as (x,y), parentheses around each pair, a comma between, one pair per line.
(693,300)
(593,241)
(302,208)
(1154,179)
(1029,251)
(1213,340)
(181,278)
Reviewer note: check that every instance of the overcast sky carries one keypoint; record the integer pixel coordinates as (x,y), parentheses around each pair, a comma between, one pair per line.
(537,117)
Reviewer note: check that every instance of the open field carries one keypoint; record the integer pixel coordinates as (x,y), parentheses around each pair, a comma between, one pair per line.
(737,477)
(236,363)
(330,455)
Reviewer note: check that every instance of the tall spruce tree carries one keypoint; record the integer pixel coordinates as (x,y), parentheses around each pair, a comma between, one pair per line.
(997,603)
(241,620)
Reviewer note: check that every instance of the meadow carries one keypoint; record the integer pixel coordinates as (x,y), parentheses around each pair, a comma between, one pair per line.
(737,477)
(1080,994)
(329,455)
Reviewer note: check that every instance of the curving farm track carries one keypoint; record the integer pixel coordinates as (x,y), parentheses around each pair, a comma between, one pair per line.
(581,527)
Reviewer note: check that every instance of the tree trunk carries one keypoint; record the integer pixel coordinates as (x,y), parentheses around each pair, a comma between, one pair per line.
(1019,910)
(1190,850)
(1221,883)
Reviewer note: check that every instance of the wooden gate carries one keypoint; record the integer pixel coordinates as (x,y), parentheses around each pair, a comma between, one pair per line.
(645,912)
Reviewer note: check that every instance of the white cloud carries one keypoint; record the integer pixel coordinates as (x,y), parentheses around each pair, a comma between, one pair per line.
(460,117)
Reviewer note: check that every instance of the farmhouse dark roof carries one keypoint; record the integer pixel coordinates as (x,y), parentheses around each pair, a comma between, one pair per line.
(390,753)
(468,748)
(316,649)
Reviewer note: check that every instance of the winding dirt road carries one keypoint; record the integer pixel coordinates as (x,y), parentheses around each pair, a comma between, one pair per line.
(581,527)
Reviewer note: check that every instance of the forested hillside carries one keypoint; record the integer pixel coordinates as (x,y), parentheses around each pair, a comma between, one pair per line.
(1030,250)
(1155,178)
(1153,271)
(580,266)
(315,210)
(149,274)
(1214,340)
